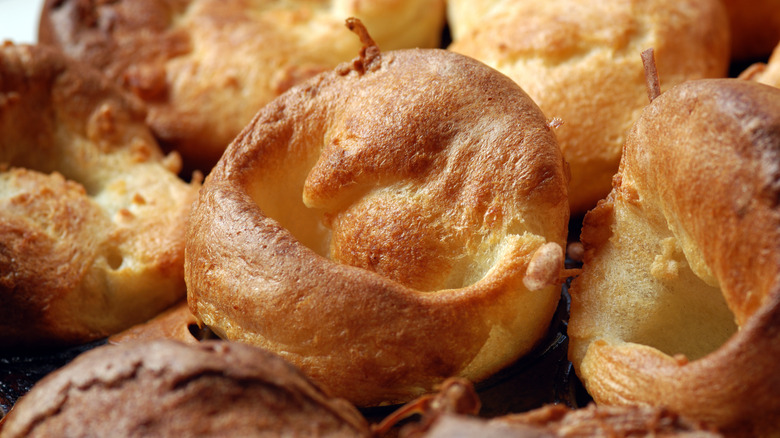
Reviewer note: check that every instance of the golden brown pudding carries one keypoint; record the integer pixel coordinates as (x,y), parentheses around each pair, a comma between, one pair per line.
(92,214)
(580,62)
(205,67)
(678,303)
(375,226)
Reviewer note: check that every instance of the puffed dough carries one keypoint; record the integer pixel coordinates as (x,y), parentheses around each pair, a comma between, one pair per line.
(678,304)
(92,215)
(580,62)
(205,67)
(374,225)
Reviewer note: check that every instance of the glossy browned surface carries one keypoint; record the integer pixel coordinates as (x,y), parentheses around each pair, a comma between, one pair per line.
(374,225)
(679,300)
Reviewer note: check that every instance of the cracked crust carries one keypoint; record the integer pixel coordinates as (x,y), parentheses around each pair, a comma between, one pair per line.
(166,388)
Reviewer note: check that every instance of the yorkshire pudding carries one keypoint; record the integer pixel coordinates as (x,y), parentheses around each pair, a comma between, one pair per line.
(92,215)
(205,67)
(165,388)
(678,303)
(377,226)
(580,62)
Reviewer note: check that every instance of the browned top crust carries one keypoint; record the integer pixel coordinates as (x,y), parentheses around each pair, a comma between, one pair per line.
(679,300)
(204,67)
(580,62)
(374,226)
(165,388)
(91,213)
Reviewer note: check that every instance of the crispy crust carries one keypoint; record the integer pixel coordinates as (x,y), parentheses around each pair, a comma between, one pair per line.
(428,182)
(204,67)
(165,388)
(687,244)
(91,213)
(581,63)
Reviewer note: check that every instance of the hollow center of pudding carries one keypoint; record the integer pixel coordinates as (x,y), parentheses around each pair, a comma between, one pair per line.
(662,303)
(411,215)
(397,231)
